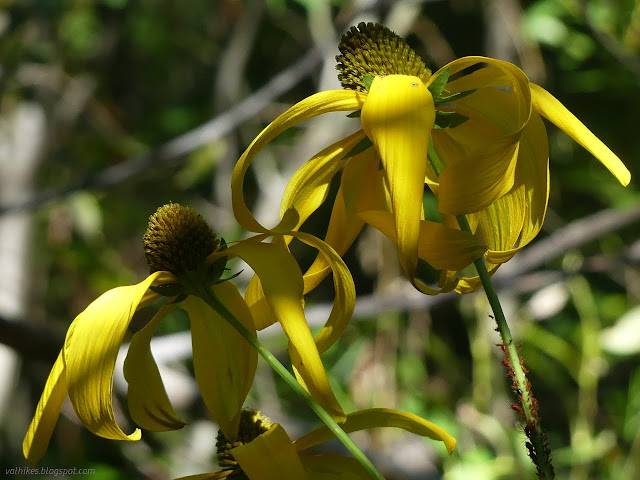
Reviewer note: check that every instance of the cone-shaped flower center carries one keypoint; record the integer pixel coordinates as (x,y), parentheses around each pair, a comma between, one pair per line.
(177,240)
(252,425)
(373,49)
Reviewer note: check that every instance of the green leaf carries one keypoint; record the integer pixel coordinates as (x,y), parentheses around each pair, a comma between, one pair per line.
(368,80)
(360,147)
(355,114)
(437,86)
(451,98)
(449,119)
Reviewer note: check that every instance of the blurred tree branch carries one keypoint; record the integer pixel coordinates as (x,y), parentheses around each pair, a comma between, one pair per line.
(43,343)
(185,143)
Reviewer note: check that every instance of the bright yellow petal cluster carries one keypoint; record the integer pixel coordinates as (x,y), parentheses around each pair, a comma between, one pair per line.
(496,164)
(84,368)
(494,167)
(396,190)
(224,363)
(273,456)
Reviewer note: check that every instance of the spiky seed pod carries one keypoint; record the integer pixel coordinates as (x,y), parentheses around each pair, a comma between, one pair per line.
(252,424)
(373,49)
(178,240)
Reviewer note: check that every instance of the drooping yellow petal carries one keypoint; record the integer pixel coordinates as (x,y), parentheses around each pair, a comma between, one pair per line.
(361,188)
(480,155)
(379,417)
(270,456)
(223,361)
(499,75)
(90,352)
(397,116)
(515,218)
(309,186)
(442,247)
(344,299)
(344,227)
(533,172)
(44,420)
(283,286)
(471,284)
(323,102)
(470,186)
(518,216)
(549,107)
(149,405)
(333,467)
(261,311)
(164,278)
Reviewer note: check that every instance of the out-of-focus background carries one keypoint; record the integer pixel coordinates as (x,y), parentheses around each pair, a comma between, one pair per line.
(111,108)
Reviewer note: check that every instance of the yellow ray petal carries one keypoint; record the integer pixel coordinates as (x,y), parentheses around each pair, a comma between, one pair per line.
(344,227)
(397,116)
(480,155)
(309,186)
(323,102)
(164,278)
(519,215)
(361,188)
(345,292)
(442,247)
(471,284)
(533,172)
(149,405)
(379,417)
(44,420)
(499,75)
(261,311)
(549,107)
(223,361)
(283,286)
(90,351)
(469,187)
(270,456)
(333,467)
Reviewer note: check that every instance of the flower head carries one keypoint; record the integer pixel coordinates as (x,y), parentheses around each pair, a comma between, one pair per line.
(471,132)
(373,50)
(264,451)
(183,251)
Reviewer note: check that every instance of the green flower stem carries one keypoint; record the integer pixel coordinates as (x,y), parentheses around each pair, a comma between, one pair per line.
(539,450)
(281,370)
(541,454)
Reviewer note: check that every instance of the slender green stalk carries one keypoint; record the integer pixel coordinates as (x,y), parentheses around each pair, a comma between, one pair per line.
(208,296)
(538,447)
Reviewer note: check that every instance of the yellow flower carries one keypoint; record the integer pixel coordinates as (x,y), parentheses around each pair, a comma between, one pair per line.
(485,125)
(267,453)
(180,247)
